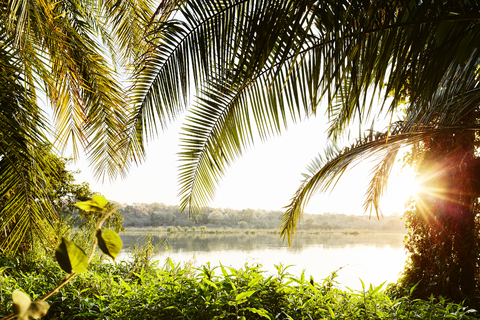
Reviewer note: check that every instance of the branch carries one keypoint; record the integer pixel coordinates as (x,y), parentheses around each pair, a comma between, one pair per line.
(73,274)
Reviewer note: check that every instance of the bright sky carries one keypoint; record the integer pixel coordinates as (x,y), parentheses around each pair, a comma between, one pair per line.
(266,177)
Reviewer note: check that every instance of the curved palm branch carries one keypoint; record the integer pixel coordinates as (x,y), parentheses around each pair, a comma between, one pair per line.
(25,206)
(63,45)
(208,43)
(445,113)
(75,52)
(251,61)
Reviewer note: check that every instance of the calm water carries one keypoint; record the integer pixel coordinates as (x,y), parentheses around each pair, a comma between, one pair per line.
(373,258)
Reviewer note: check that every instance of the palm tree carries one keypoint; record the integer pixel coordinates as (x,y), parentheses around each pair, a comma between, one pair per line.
(257,64)
(71,55)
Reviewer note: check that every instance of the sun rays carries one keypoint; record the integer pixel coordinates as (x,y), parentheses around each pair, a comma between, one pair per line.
(429,187)
(402,185)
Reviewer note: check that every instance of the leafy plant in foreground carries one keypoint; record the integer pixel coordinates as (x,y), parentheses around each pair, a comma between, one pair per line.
(72,259)
(110,291)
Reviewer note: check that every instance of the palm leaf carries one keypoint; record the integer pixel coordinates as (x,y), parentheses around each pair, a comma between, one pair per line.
(444,114)
(235,55)
(70,50)
(26,208)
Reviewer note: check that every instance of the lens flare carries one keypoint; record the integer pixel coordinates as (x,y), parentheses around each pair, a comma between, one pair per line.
(401,187)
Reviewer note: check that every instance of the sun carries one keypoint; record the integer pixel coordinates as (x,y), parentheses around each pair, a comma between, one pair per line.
(402,185)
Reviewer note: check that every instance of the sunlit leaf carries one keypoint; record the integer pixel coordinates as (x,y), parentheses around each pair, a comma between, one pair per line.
(97,204)
(244,295)
(21,302)
(70,257)
(109,242)
(25,309)
(210,283)
(262,312)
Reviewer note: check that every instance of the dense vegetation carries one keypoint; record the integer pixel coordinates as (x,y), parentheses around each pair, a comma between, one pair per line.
(256,66)
(68,57)
(159,214)
(251,75)
(142,290)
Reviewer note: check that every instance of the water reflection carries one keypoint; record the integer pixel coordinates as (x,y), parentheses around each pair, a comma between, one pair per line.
(202,242)
(374,258)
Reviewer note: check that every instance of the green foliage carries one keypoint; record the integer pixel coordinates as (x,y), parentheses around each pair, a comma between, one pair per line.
(141,256)
(70,257)
(25,309)
(62,192)
(443,239)
(109,242)
(144,215)
(432,266)
(78,81)
(72,260)
(96,204)
(24,219)
(108,291)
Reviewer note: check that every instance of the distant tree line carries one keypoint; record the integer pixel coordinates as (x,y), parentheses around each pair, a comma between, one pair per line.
(161,215)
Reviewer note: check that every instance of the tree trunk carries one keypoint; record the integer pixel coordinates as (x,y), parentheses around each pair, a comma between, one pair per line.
(443,228)
(458,207)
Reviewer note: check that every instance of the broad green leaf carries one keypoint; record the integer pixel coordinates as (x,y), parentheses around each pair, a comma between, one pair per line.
(25,309)
(332,314)
(21,302)
(109,242)
(254,281)
(261,312)
(70,257)
(126,285)
(97,204)
(172,265)
(244,295)
(210,283)
(224,271)
(234,288)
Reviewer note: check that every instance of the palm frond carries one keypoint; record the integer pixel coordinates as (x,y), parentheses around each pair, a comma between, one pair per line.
(325,172)
(210,44)
(219,127)
(379,182)
(25,206)
(214,137)
(233,53)
(128,22)
(69,50)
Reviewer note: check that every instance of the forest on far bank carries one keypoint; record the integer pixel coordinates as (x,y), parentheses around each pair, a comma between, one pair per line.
(155,214)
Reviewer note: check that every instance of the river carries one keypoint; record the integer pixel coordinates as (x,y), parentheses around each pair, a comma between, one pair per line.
(374,258)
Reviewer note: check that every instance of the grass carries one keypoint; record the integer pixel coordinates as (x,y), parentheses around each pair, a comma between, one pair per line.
(129,290)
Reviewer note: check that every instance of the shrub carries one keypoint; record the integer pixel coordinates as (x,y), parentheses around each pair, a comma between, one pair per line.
(172,229)
(108,291)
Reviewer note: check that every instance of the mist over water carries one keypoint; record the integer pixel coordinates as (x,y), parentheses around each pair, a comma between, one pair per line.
(374,258)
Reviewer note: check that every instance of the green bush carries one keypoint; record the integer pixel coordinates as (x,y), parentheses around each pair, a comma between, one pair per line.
(173,291)
(172,229)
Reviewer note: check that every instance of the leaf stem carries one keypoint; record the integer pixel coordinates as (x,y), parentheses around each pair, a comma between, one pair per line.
(73,274)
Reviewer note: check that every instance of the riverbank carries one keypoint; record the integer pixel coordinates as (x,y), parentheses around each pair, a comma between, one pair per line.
(138,290)
(252,231)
